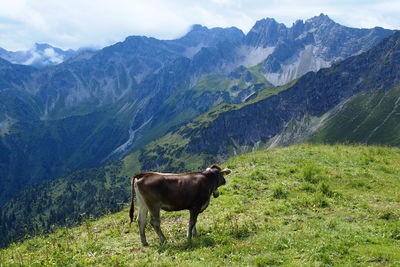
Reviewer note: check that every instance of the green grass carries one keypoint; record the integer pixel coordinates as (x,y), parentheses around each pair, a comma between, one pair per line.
(369,117)
(214,82)
(308,205)
(220,82)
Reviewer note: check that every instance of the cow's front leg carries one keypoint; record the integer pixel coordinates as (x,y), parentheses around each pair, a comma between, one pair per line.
(192,223)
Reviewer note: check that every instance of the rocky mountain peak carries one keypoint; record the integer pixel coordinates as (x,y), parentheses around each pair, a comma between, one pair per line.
(134,40)
(265,22)
(197,28)
(265,25)
(42,46)
(320,20)
(266,32)
(201,35)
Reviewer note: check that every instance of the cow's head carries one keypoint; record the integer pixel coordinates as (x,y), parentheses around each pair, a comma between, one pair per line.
(219,174)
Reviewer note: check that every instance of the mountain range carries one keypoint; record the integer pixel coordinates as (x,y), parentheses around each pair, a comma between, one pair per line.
(176,105)
(39,56)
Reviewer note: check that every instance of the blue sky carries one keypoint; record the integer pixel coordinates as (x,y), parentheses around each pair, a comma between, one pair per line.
(81,23)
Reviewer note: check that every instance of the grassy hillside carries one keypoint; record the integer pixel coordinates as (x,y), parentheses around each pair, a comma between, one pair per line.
(370,118)
(303,205)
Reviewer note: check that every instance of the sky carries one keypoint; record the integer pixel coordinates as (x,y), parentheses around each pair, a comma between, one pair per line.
(98,23)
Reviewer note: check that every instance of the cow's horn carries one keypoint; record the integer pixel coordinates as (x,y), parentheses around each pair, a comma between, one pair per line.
(226,171)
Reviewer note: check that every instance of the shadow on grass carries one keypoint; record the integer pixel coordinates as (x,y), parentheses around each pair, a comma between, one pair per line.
(197,242)
(234,233)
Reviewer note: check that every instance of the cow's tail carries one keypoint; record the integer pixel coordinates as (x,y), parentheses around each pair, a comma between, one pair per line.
(133,199)
(133,196)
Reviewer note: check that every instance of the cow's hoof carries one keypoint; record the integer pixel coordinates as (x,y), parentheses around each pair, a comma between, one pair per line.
(126,231)
(216,193)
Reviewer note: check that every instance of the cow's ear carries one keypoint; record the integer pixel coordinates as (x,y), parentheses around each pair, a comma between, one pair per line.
(226,171)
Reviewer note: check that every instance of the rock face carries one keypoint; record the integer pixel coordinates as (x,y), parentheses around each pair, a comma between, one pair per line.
(376,70)
(97,106)
(308,46)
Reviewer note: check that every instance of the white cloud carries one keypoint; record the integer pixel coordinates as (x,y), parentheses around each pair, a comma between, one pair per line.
(35,56)
(77,23)
(53,56)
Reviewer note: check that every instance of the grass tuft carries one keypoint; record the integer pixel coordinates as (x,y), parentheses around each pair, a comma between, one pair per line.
(278,192)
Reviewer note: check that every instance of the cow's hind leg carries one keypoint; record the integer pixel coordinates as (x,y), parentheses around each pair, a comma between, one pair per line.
(142,218)
(155,222)
(142,225)
(192,223)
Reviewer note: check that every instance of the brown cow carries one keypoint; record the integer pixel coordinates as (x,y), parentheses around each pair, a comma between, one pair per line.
(172,192)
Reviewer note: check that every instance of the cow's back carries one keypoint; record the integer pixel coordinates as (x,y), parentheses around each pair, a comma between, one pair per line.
(174,191)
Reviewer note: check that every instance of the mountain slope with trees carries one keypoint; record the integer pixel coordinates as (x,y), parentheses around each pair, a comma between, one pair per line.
(99,106)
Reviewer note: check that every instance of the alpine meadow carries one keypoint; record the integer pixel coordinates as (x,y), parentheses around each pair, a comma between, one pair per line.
(302,121)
